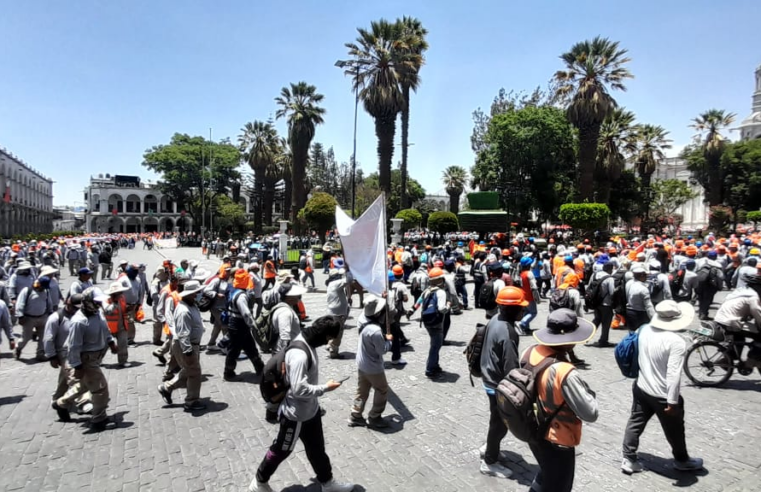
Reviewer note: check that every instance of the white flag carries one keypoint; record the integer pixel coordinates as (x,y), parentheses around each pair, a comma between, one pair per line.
(364,245)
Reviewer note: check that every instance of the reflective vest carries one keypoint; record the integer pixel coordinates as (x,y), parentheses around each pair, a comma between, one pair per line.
(578,267)
(561,274)
(565,428)
(175,296)
(557,262)
(269,269)
(117,314)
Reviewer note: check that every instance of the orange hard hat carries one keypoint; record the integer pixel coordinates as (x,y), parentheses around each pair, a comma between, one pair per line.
(511,296)
(572,280)
(505,252)
(435,273)
(397,270)
(612,250)
(691,250)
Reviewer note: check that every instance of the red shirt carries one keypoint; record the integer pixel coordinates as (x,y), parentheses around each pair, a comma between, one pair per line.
(526,286)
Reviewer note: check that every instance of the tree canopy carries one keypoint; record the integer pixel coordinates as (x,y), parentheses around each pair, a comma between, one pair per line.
(320,211)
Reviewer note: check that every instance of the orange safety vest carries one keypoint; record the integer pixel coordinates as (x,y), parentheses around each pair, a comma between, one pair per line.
(561,274)
(175,296)
(112,320)
(269,269)
(578,266)
(557,262)
(565,428)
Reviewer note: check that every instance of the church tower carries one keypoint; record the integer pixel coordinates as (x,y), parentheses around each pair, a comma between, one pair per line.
(750,128)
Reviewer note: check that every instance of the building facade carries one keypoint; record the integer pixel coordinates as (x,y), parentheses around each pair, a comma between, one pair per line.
(123,204)
(750,128)
(695,212)
(27,198)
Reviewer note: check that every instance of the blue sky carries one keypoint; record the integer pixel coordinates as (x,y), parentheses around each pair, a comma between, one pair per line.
(86,87)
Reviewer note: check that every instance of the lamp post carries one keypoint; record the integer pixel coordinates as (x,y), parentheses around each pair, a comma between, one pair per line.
(344,64)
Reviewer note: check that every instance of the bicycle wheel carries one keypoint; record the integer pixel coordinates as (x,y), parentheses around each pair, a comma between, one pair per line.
(708,364)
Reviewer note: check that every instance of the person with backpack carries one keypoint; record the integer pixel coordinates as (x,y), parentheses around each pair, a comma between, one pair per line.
(397,296)
(530,294)
(478,272)
(338,306)
(239,327)
(599,297)
(435,305)
(660,289)
(498,356)
(639,305)
(418,282)
(656,391)
(299,412)
(217,289)
(563,399)
(710,281)
(489,290)
(306,268)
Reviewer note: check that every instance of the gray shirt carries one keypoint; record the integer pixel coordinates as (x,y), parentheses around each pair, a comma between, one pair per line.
(301,401)
(188,326)
(55,292)
(33,302)
(638,298)
(371,346)
(86,334)
(257,280)
(135,293)
(17,283)
(5,320)
(338,304)
(56,333)
(287,323)
(499,354)
(78,286)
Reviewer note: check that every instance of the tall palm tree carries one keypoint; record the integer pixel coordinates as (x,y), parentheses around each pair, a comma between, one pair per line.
(299,104)
(709,126)
(455,178)
(413,40)
(258,143)
(378,61)
(651,141)
(591,67)
(616,142)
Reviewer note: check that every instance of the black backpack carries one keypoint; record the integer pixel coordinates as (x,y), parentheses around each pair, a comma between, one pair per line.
(676,281)
(486,296)
(560,299)
(619,292)
(654,285)
(473,351)
(303,263)
(430,315)
(593,293)
(274,385)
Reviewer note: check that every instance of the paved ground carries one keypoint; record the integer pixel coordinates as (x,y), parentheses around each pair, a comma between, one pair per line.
(432,446)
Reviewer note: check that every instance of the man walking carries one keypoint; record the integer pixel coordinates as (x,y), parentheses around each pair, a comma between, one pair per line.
(656,390)
(603,304)
(115,310)
(639,306)
(81,283)
(133,296)
(239,329)
(33,308)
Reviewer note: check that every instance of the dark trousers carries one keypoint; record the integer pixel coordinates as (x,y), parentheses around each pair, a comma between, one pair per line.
(545,285)
(705,299)
(396,342)
(476,289)
(462,292)
(311,435)
(603,318)
(269,283)
(644,407)
(635,319)
(497,432)
(557,466)
(447,324)
(241,339)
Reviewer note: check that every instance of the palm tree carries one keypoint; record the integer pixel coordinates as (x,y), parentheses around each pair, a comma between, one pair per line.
(591,66)
(615,143)
(379,61)
(258,143)
(455,179)
(709,126)
(651,142)
(413,40)
(299,104)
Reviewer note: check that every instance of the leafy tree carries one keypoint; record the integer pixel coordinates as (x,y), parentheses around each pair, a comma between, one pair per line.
(591,66)
(412,35)
(628,198)
(228,215)
(651,141)
(719,217)
(411,217)
(426,208)
(371,185)
(443,222)
(616,142)
(709,126)
(584,216)
(668,195)
(754,216)
(194,171)
(300,106)
(320,211)
(741,175)
(259,146)
(455,179)
(379,60)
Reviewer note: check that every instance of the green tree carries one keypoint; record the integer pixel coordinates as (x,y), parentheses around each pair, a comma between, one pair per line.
(259,146)
(741,175)
(584,216)
(455,179)
(371,190)
(194,171)
(228,215)
(300,106)
(668,195)
(651,141)
(320,211)
(411,217)
(709,126)
(443,222)
(413,40)
(616,142)
(591,67)
(628,198)
(426,208)
(379,61)
(755,217)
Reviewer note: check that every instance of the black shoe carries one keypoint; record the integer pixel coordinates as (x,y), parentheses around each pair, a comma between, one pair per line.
(579,362)
(160,357)
(258,366)
(271,417)
(230,376)
(195,406)
(167,377)
(600,344)
(130,342)
(63,414)
(404,342)
(158,343)
(377,423)
(99,425)
(165,394)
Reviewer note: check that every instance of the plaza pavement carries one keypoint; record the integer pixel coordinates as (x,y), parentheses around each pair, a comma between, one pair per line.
(432,445)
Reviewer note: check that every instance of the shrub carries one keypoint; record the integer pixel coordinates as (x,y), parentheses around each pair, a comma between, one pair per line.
(584,216)
(483,200)
(754,216)
(320,211)
(443,222)
(411,217)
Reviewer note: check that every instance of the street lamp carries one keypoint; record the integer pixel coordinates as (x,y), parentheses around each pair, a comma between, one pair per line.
(344,64)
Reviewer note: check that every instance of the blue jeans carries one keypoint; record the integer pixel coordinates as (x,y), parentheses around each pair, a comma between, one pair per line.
(529,316)
(463,292)
(437,340)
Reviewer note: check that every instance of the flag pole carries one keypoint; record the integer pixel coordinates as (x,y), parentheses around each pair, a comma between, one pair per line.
(385,266)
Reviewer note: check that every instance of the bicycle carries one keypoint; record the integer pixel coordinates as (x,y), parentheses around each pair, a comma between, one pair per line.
(715,354)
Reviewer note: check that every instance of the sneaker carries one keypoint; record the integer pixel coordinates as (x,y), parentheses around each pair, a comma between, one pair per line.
(600,344)
(496,470)
(86,408)
(196,405)
(257,486)
(160,357)
(271,417)
(357,421)
(130,342)
(503,455)
(334,355)
(230,376)
(399,362)
(628,466)
(333,486)
(63,414)
(212,347)
(165,394)
(692,464)
(17,354)
(377,423)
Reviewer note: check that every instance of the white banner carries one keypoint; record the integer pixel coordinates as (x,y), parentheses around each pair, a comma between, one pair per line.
(165,243)
(364,245)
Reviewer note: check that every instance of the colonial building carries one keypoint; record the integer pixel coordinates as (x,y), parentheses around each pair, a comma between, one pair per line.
(27,198)
(694,212)
(125,204)
(750,127)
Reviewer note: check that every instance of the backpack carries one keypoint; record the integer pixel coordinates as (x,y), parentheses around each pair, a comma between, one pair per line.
(627,354)
(231,299)
(676,281)
(459,277)
(274,385)
(205,303)
(264,332)
(593,293)
(430,315)
(560,299)
(619,293)
(419,282)
(486,296)
(478,274)
(303,263)
(517,398)
(473,351)
(654,285)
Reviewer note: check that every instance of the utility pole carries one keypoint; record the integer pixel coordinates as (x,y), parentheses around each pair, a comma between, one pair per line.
(211,184)
(203,196)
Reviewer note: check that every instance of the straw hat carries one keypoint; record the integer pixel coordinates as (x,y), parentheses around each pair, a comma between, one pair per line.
(673,316)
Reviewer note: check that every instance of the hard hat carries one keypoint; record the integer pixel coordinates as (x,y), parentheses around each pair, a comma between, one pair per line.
(511,296)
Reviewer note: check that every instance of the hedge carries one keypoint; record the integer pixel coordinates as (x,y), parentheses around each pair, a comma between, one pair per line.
(585,216)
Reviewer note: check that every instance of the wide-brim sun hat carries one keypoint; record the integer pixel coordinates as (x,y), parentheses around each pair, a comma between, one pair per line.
(294,291)
(191,287)
(565,328)
(374,305)
(48,270)
(115,288)
(673,316)
(201,274)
